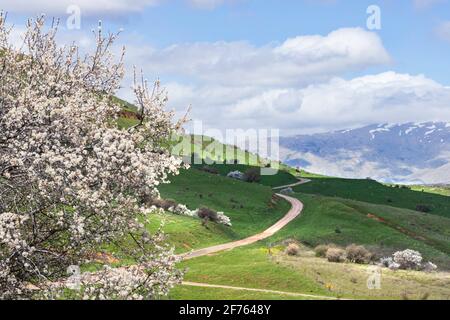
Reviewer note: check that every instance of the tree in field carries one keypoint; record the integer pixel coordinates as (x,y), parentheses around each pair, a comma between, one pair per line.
(69,178)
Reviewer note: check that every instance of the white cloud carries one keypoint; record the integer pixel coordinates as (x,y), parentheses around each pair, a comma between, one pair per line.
(117,7)
(339,103)
(335,104)
(297,85)
(235,84)
(300,60)
(89,7)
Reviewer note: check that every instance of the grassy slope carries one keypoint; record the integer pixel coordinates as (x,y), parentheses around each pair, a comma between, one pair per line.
(198,293)
(281,177)
(443,191)
(254,267)
(251,267)
(322,217)
(249,206)
(350,280)
(377,193)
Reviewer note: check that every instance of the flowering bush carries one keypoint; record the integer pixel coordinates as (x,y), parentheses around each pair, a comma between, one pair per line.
(408,259)
(69,178)
(183,210)
(223,219)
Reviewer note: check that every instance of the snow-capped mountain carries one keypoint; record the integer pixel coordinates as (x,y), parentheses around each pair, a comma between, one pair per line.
(406,153)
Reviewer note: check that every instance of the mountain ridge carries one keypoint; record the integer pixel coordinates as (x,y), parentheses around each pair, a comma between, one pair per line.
(411,153)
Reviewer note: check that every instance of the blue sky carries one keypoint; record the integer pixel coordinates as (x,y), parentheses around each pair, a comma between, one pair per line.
(195,45)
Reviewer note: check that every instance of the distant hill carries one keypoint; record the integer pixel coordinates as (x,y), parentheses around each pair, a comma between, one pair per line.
(415,153)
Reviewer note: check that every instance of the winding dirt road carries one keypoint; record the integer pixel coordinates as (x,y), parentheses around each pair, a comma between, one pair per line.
(294,212)
(298,183)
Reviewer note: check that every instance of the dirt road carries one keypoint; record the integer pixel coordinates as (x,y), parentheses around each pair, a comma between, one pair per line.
(293,213)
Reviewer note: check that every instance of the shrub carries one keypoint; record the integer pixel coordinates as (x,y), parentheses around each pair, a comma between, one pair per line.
(423,208)
(335,255)
(358,254)
(293,249)
(182,210)
(165,204)
(287,191)
(207,214)
(429,267)
(321,250)
(223,219)
(408,259)
(252,175)
(388,262)
(210,169)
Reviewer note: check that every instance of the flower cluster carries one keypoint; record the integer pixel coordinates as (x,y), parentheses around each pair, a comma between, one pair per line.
(407,260)
(69,177)
(183,210)
(223,219)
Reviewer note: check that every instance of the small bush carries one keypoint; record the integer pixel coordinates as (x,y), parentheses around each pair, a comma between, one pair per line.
(164,203)
(321,250)
(358,254)
(423,208)
(335,255)
(207,214)
(293,249)
(210,169)
(388,262)
(252,175)
(429,267)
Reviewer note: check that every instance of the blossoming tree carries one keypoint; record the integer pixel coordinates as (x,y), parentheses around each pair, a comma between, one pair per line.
(69,178)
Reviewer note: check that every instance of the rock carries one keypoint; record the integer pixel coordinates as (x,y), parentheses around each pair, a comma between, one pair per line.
(287,191)
(236,175)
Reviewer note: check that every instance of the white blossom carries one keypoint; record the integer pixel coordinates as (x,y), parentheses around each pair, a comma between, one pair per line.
(69,177)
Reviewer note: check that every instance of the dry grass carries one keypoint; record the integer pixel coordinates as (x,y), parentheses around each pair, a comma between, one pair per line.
(350,280)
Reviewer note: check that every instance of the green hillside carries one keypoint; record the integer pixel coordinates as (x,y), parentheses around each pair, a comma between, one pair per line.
(251,206)
(380,217)
(377,193)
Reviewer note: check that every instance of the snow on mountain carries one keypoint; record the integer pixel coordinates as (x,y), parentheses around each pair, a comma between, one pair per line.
(401,153)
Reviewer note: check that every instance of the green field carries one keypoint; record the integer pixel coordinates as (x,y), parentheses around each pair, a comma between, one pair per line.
(373,192)
(250,206)
(382,218)
(280,177)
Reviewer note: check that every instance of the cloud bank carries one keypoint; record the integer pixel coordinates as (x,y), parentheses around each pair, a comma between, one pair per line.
(299,85)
